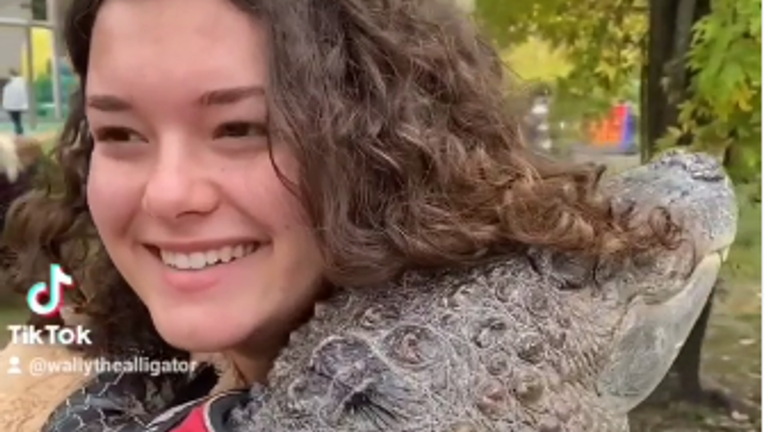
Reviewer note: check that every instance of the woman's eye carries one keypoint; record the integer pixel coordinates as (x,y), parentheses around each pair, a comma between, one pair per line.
(116,134)
(240,130)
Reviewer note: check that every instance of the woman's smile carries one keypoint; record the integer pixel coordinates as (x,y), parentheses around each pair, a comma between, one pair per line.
(197,267)
(204,258)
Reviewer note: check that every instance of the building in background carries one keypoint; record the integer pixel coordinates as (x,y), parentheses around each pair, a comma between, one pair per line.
(12,39)
(38,71)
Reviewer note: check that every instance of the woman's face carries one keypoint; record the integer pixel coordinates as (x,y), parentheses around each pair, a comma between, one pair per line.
(181,186)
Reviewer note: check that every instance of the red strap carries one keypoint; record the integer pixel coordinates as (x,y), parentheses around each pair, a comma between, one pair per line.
(195,422)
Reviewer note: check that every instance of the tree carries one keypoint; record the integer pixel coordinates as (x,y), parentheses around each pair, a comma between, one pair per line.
(601,38)
(721,110)
(698,61)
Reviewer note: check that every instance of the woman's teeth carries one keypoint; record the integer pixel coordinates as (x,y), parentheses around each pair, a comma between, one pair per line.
(203,259)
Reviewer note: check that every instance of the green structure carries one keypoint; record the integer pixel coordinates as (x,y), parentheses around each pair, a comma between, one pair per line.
(44,90)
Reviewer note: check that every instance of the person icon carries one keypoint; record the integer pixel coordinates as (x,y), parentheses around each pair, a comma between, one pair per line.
(14,368)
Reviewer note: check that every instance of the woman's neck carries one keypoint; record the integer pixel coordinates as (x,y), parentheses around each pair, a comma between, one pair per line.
(254,359)
(250,369)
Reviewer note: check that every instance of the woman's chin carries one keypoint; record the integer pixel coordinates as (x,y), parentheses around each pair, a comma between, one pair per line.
(201,333)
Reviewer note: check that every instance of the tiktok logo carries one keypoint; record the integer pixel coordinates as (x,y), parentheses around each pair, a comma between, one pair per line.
(46,299)
(55,292)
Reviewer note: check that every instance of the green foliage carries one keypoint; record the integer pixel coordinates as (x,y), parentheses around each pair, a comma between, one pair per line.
(726,90)
(536,60)
(602,42)
(12,311)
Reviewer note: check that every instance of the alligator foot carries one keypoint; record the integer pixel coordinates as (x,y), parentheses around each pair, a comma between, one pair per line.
(716,398)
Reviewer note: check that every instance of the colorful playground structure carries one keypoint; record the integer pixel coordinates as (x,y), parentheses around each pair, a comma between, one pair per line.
(41,73)
(616,132)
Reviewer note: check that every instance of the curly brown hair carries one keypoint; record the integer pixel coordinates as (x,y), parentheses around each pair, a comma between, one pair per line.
(409,151)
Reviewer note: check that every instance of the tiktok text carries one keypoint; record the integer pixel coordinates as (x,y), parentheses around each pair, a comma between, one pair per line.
(45,298)
(40,366)
(49,335)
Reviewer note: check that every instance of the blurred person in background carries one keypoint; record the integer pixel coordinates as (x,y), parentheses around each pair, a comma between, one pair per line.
(15,101)
(536,121)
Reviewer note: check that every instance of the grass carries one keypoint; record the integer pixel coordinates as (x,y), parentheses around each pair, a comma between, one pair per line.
(10,315)
(744,261)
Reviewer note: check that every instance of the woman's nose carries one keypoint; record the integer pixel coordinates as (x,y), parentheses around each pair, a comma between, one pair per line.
(179,185)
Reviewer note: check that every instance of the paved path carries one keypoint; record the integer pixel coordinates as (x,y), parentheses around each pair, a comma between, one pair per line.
(614,160)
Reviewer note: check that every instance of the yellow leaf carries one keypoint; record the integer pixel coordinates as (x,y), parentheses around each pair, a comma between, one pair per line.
(537,60)
(674,132)
(743,99)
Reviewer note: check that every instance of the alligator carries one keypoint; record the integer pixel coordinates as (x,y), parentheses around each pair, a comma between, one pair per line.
(533,341)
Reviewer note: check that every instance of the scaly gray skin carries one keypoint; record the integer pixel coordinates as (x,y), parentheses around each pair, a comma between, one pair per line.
(519,344)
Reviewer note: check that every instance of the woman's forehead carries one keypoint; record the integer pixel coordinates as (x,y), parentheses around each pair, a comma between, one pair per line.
(182,30)
(196,44)
(205,17)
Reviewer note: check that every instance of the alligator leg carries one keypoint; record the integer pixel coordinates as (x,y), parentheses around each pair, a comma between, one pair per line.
(688,368)
(688,362)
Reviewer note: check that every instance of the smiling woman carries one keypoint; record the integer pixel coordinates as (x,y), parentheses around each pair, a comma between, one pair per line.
(239,159)
(182,187)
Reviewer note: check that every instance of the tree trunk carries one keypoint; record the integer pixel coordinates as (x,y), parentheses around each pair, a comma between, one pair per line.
(643,123)
(666,78)
(660,50)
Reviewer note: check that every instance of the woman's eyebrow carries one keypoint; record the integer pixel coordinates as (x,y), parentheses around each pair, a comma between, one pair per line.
(223,96)
(226,96)
(108,103)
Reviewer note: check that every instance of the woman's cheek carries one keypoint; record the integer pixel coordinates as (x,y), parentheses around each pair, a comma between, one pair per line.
(114,195)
